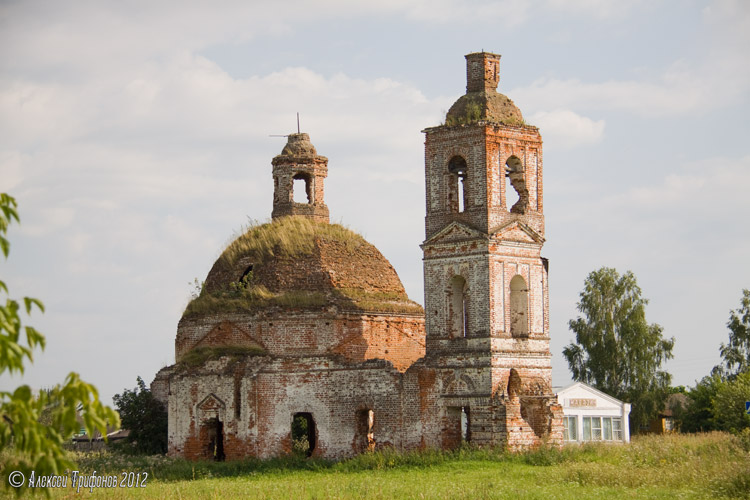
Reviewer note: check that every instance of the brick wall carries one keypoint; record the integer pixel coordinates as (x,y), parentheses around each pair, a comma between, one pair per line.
(357,337)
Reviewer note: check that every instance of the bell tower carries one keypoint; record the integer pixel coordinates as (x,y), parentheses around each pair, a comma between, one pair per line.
(486,295)
(299,167)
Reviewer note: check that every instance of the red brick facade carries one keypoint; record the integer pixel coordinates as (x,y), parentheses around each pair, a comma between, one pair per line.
(474,366)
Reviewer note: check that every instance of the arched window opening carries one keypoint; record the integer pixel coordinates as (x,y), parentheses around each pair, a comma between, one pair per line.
(519,307)
(457,427)
(365,430)
(514,384)
(511,195)
(459,314)
(302,188)
(247,276)
(516,194)
(457,191)
(215,437)
(303,434)
(465,424)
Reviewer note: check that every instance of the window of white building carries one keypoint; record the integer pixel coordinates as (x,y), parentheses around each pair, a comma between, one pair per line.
(602,429)
(570,428)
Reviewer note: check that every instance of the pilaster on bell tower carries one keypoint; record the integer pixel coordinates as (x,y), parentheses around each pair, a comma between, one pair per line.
(299,167)
(486,293)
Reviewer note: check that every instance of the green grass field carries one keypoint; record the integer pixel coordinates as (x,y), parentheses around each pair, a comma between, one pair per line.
(713,465)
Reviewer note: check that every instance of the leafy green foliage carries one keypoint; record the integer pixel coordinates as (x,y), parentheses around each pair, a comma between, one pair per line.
(717,401)
(472,114)
(8,207)
(300,443)
(144,417)
(33,427)
(736,354)
(12,352)
(699,414)
(728,404)
(616,350)
(196,288)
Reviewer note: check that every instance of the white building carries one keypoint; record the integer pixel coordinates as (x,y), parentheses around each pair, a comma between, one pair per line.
(591,415)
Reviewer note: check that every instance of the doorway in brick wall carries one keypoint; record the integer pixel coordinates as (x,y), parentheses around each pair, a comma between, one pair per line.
(365,437)
(303,433)
(214,429)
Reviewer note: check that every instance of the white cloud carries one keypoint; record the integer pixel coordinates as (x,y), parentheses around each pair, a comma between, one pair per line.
(678,92)
(715,77)
(12,169)
(565,129)
(41,36)
(706,189)
(47,220)
(505,13)
(605,9)
(673,95)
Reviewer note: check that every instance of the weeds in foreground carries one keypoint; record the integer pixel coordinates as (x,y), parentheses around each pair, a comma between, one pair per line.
(715,465)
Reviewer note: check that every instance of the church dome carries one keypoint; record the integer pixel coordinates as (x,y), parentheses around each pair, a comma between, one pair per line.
(299,263)
(490,106)
(299,145)
(482,101)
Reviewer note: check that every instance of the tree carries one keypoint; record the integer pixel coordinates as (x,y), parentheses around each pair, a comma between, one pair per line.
(728,404)
(699,414)
(144,417)
(616,350)
(736,354)
(30,444)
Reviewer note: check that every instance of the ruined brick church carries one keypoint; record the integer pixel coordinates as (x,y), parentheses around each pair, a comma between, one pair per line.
(300,320)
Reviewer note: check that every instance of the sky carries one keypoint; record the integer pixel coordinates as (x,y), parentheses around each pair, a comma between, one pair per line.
(137,139)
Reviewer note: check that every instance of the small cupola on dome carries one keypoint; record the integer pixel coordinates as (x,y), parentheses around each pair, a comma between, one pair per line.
(482,101)
(299,145)
(298,174)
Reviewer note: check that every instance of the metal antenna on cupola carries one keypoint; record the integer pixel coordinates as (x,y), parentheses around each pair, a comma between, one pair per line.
(287,135)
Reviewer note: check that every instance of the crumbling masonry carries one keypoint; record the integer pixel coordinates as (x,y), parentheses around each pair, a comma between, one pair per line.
(304,336)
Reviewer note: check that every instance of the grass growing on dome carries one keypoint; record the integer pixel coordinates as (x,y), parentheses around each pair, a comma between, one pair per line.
(259,297)
(301,299)
(286,236)
(197,357)
(392,302)
(253,298)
